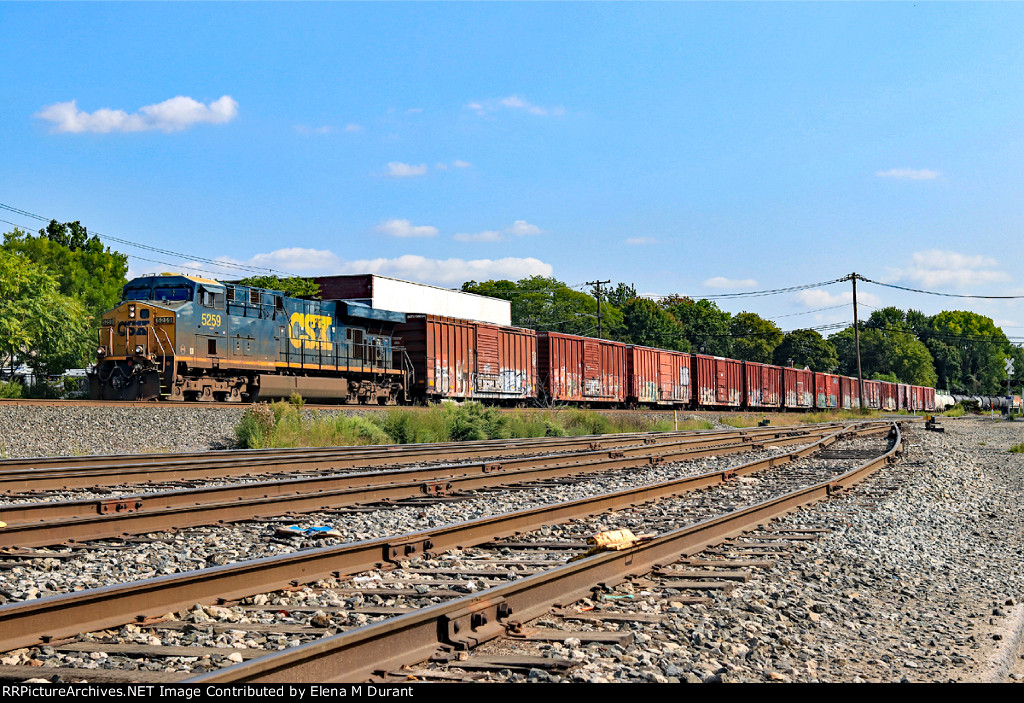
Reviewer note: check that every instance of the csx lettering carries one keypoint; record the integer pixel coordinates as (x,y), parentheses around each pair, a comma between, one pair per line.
(309,331)
(211,320)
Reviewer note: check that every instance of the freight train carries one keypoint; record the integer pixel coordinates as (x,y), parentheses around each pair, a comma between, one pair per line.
(186,338)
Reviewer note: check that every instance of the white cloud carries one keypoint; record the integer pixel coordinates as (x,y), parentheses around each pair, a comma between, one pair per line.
(305,129)
(488,235)
(458,163)
(172,115)
(640,241)
(721,282)
(522,228)
(819,298)
(519,228)
(913,174)
(404,228)
(513,102)
(353,127)
(935,268)
(445,272)
(397,169)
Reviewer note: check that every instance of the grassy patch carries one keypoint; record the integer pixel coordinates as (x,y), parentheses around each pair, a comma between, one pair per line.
(955,411)
(1017,448)
(286,424)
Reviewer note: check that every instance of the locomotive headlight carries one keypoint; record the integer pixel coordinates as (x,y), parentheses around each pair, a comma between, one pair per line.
(131,311)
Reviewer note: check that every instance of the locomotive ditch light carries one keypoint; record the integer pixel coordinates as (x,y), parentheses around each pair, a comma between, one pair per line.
(139,349)
(102,351)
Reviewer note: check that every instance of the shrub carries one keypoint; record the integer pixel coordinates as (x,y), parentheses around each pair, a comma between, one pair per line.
(10,389)
(256,428)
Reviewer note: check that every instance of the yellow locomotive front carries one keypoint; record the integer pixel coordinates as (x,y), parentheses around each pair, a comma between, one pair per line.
(135,352)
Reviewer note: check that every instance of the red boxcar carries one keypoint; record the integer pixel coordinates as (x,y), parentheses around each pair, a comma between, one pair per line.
(890,396)
(763,385)
(658,376)
(872,395)
(719,381)
(929,399)
(797,388)
(917,398)
(849,393)
(581,369)
(826,390)
(460,359)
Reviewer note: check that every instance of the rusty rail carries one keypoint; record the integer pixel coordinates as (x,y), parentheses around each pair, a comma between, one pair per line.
(32,622)
(52,523)
(60,473)
(373,650)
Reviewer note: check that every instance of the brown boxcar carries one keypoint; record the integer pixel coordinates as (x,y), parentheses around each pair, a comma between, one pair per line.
(872,394)
(826,390)
(581,369)
(797,388)
(902,396)
(658,376)
(929,399)
(459,359)
(849,393)
(763,385)
(719,381)
(917,398)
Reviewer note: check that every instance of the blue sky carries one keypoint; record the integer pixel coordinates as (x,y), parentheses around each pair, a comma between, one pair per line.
(692,148)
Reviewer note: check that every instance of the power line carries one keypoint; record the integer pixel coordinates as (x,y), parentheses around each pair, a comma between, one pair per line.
(945,295)
(749,294)
(168,252)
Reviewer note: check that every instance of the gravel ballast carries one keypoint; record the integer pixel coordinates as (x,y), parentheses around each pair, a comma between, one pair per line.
(917,579)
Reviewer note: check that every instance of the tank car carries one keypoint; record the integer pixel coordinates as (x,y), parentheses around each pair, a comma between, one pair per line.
(187,338)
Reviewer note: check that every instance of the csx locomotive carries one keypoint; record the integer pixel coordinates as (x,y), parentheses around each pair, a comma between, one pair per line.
(187,338)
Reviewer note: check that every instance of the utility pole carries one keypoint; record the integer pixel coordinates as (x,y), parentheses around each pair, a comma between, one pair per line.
(597,284)
(856,337)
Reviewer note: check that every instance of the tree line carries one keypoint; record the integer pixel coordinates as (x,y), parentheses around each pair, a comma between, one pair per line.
(958,351)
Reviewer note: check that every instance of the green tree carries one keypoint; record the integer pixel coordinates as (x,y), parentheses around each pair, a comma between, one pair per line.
(38,325)
(83,267)
(888,349)
(969,351)
(647,324)
(753,337)
(806,348)
(705,325)
(547,304)
(621,294)
(294,286)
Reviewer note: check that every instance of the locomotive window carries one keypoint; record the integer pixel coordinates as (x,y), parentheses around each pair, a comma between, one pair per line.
(211,299)
(137,293)
(172,293)
(278,302)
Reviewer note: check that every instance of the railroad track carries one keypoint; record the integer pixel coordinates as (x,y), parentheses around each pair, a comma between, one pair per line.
(35,475)
(75,521)
(56,622)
